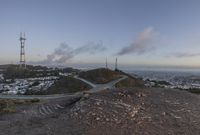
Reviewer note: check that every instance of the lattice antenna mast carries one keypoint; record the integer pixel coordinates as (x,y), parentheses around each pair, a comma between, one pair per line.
(22,51)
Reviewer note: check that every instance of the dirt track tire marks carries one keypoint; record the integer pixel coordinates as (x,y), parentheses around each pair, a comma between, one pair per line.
(44,110)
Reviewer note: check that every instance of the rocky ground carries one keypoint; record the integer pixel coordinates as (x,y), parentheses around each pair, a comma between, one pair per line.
(139,111)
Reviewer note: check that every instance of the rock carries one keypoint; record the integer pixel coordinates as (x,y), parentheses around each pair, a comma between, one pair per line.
(98,103)
(86,96)
(164,113)
(93,114)
(107,119)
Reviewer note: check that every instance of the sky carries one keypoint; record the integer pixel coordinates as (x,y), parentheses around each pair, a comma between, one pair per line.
(82,33)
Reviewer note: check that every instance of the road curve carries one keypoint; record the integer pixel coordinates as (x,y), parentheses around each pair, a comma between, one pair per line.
(86,81)
(95,88)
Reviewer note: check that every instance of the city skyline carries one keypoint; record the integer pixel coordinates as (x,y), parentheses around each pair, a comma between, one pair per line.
(83,33)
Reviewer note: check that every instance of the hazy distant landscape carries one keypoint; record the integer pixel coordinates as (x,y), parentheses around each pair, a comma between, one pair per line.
(99,67)
(183,80)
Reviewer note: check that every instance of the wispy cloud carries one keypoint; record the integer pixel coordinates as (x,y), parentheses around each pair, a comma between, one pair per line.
(64,52)
(182,55)
(142,44)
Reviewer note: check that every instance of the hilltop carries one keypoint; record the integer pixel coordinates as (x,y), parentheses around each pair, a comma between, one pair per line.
(100,75)
(12,71)
(15,72)
(31,67)
(130,111)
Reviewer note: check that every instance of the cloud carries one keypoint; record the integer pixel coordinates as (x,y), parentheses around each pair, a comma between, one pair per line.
(142,44)
(182,55)
(64,52)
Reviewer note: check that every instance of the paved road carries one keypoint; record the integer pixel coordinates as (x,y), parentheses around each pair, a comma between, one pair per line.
(95,88)
(107,85)
(86,81)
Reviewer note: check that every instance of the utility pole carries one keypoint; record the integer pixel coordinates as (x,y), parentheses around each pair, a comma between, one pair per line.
(22,51)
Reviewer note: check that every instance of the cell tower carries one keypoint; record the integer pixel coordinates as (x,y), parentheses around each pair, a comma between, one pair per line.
(116,69)
(22,51)
(106,63)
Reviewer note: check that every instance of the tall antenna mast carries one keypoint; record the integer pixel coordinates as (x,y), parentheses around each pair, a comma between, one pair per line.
(22,51)
(106,63)
(116,65)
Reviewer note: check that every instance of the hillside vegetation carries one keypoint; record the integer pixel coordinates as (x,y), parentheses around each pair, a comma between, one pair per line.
(61,86)
(14,71)
(100,75)
(130,82)
(9,105)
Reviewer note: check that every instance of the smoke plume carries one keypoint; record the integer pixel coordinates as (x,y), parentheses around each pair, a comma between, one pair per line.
(183,55)
(64,52)
(142,44)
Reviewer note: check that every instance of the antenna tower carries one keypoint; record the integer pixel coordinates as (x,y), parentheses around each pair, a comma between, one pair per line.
(116,65)
(106,63)
(22,51)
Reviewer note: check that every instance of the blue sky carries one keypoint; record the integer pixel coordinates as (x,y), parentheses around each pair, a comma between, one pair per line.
(156,32)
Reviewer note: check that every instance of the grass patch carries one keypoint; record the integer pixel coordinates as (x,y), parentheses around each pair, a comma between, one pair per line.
(130,82)
(100,76)
(35,100)
(9,106)
(194,90)
(61,86)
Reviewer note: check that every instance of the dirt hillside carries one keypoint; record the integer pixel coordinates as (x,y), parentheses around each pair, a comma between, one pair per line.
(138,111)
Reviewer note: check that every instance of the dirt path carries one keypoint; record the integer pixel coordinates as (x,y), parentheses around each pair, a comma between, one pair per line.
(109,112)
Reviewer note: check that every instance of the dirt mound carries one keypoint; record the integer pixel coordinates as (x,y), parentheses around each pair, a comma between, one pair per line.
(139,111)
(100,75)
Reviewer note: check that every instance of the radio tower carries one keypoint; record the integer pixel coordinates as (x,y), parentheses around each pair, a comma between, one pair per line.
(116,69)
(22,51)
(106,63)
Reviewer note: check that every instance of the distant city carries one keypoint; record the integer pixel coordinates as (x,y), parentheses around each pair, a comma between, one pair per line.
(170,79)
(44,77)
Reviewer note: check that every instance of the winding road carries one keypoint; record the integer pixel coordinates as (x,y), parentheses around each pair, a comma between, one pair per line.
(95,88)
(98,87)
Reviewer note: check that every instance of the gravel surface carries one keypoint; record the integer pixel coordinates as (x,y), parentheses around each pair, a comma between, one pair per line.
(138,111)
